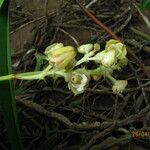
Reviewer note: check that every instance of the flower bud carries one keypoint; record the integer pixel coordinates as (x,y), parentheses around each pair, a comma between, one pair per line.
(97,47)
(60,56)
(86,48)
(53,47)
(119,86)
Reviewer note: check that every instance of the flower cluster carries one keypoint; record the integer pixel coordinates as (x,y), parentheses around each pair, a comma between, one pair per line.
(62,62)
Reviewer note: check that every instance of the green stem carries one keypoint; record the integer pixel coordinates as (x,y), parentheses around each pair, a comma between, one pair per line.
(23,76)
(112,79)
(7,77)
(93,59)
(86,58)
(38,75)
(96,72)
(39,61)
(104,71)
(30,76)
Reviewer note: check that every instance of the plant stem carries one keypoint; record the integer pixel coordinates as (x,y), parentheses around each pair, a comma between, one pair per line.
(112,79)
(37,75)
(85,58)
(100,71)
(7,77)
(95,72)
(23,76)
(30,76)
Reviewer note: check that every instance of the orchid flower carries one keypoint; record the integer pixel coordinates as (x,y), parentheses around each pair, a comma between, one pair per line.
(78,81)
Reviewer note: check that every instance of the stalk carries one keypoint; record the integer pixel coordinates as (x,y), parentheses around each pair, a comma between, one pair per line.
(23,76)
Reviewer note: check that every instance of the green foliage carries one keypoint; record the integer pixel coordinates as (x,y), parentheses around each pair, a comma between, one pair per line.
(1,3)
(7,100)
(145,4)
(39,61)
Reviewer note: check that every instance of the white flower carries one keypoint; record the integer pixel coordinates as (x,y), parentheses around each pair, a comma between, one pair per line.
(114,54)
(78,81)
(79,85)
(86,48)
(119,86)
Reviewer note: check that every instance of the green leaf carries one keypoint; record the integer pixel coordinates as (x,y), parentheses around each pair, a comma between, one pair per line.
(39,61)
(1,3)
(145,4)
(7,100)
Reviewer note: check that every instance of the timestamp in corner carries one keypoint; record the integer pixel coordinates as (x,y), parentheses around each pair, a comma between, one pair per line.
(140,133)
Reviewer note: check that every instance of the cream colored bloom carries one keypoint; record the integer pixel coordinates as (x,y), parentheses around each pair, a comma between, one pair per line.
(78,81)
(60,56)
(114,54)
(119,86)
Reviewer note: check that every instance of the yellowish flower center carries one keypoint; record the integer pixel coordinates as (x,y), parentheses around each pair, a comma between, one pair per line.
(76,79)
